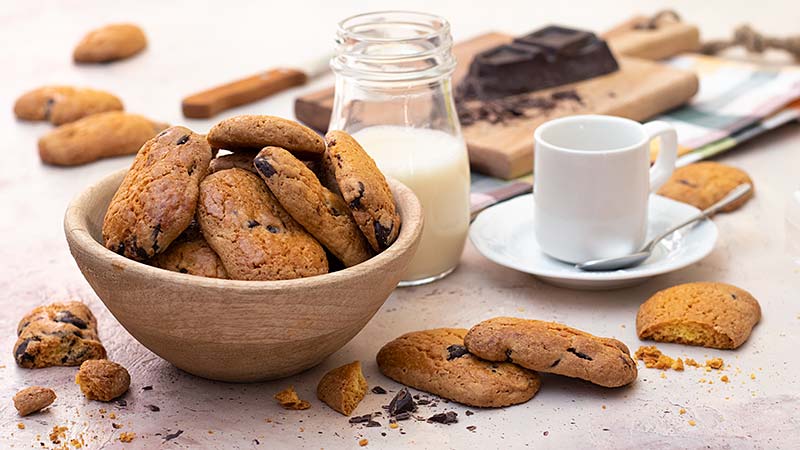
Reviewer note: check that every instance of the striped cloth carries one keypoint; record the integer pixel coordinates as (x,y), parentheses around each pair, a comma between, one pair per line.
(736,102)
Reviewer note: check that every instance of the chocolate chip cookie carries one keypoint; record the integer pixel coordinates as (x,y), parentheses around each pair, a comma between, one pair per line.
(193,256)
(103,135)
(157,199)
(705,183)
(58,334)
(365,190)
(253,132)
(239,160)
(343,388)
(715,315)
(321,212)
(554,348)
(102,380)
(63,104)
(110,43)
(255,238)
(436,361)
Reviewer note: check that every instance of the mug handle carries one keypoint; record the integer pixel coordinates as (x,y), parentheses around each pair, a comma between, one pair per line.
(667,152)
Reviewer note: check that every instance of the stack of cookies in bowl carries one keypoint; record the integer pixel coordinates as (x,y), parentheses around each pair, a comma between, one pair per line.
(283,204)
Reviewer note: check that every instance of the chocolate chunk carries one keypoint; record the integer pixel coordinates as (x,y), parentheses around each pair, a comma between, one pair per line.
(372,424)
(469,413)
(446,418)
(579,354)
(183,139)
(172,436)
(361,419)
(382,234)
(555,363)
(273,229)
(508,355)
(402,402)
(472,428)
(147,388)
(153,408)
(402,416)
(423,402)
(68,317)
(252,223)
(456,351)
(264,167)
(378,390)
(121,403)
(154,236)
(20,353)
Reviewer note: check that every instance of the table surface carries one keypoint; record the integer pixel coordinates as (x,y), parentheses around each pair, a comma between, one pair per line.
(198,47)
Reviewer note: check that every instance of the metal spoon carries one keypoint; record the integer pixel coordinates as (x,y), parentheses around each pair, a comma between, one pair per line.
(622,262)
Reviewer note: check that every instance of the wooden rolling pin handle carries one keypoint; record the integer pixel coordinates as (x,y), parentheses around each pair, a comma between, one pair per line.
(208,103)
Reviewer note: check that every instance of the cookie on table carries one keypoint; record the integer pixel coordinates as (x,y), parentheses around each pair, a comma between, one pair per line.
(365,190)
(103,135)
(33,399)
(255,238)
(102,380)
(63,104)
(110,43)
(157,199)
(58,334)
(239,160)
(715,315)
(193,256)
(254,132)
(343,388)
(705,183)
(436,361)
(321,212)
(554,348)
(288,399)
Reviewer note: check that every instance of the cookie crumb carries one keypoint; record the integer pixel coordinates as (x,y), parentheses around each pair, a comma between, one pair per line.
(393,425)
(288,399)
(752,376)
(127,437)
(57,433)
(692,362)
(21,426)
(654,359)
(682,411)
(725,379)
(715,363)
(112,416)
(692,423)
(363,443)
(116,426)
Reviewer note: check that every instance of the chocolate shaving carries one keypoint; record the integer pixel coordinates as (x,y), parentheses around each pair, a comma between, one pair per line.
(445,418)
(402,402)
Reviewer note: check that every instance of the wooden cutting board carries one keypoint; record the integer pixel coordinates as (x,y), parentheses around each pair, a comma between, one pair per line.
(640,90)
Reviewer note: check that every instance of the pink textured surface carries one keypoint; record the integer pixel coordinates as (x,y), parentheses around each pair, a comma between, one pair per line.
(37,268)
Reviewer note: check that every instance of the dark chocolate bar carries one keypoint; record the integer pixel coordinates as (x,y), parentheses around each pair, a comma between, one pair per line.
(549,57)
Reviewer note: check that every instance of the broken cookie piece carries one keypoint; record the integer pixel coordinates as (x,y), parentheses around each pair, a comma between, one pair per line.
(33,399)
(58,334)
(288,399)
(102,380)
(343,388)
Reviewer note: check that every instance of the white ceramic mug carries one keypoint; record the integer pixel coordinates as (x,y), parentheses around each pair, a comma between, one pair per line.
(592,181)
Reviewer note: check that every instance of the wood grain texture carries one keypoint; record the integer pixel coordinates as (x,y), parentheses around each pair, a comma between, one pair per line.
(232,330)
(640,90)
(669,39)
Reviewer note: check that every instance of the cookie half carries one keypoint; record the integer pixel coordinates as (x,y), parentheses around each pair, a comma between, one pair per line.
(715,315)
(705,183)
(554,348)
(254,132)
(157,199)
(365,190)
(436,361)
(58,334)
(321,212)
(110,43)
(255,238)
(343,388)
(63,104)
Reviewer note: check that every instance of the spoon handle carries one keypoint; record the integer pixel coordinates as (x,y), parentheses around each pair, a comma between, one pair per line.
(737,193)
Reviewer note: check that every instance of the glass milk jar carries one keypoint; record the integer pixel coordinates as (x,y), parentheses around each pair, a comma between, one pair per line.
(394,95)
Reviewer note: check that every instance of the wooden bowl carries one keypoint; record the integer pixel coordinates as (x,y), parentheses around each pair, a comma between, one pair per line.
(232,330)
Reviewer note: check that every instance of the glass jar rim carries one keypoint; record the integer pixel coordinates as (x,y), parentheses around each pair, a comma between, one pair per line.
(342,28)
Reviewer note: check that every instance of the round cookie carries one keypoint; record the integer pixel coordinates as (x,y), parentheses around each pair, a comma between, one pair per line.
(255,238)
(714,315)
(63,104)
(103,135)
(364,188)
(254,132)
(157,199)
(705,183)
(321,212)
(554,348)
(110,43)
(192,256)
(436,361)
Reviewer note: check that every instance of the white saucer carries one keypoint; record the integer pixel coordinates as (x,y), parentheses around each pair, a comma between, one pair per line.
(504,234)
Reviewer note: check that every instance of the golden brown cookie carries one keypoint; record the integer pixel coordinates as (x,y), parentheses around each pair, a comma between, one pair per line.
(102,380)
(192,256)
(321,212)
(239,160)
(58,334)
(288,399)
(255,238)
(343,388)
(63,104)
(110,43)
(554,348)
(157,199)
(365,190)
(714,315)
(705,183)
(102,135)
(253,132)
(436,361)
(33,399)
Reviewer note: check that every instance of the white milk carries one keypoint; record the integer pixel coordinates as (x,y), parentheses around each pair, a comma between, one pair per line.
(434,165)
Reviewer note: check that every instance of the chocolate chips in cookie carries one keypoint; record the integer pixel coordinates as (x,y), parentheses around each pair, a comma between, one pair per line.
(63,104)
